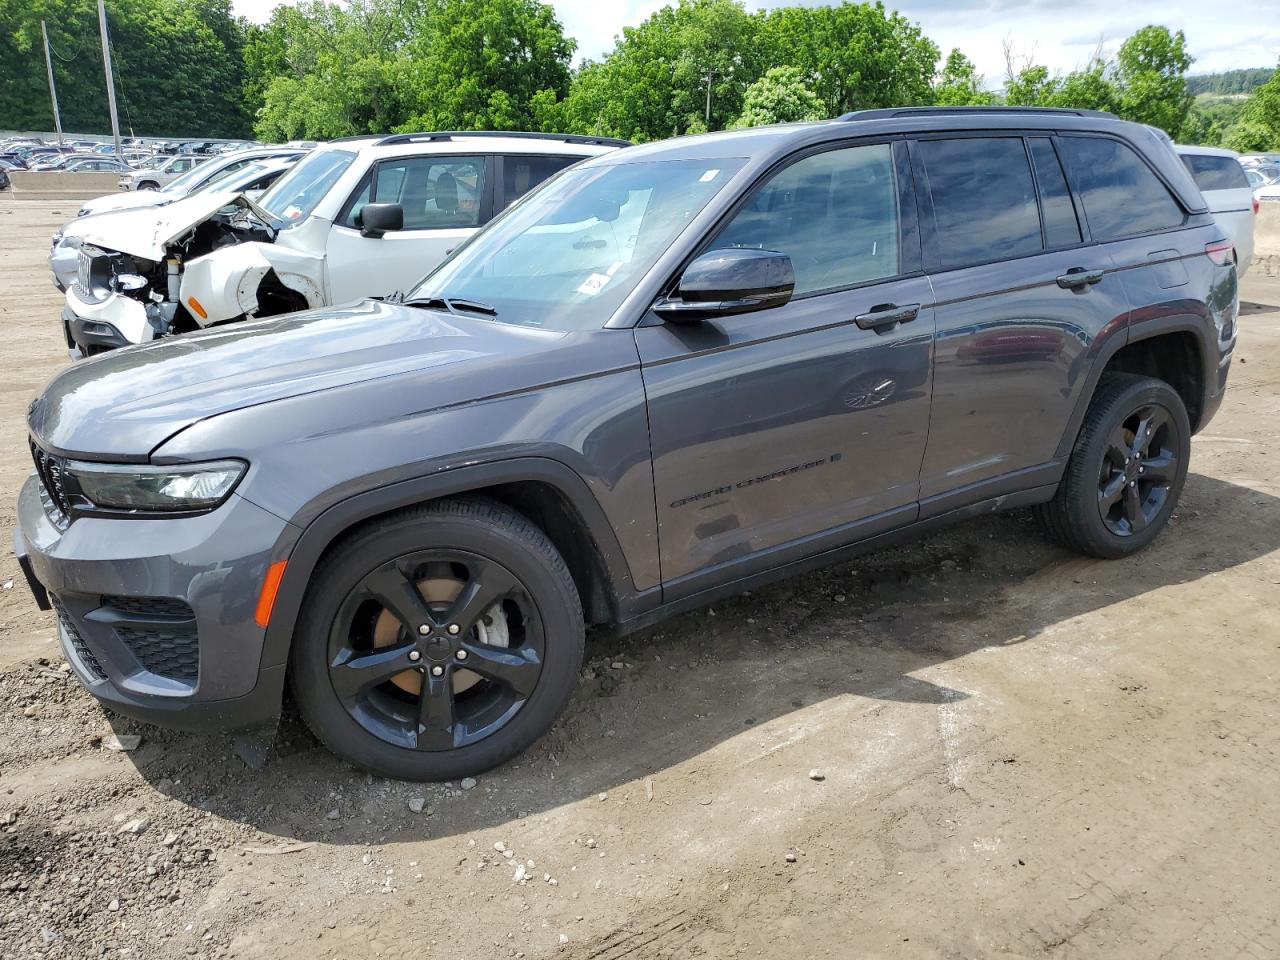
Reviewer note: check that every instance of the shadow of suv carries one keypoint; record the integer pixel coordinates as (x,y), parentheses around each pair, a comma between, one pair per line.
(671,373)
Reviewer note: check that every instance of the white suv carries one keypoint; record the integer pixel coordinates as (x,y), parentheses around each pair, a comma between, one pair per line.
(1221,179)
(361,217)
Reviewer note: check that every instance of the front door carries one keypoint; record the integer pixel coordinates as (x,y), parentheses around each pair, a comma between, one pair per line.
(445,199)
(781,433)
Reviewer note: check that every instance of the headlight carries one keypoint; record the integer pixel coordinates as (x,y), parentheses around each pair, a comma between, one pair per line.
(142,487)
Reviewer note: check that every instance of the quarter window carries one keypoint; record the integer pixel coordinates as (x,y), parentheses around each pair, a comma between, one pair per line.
(834,213)
(1061,228)
(1122,197)
(984,200)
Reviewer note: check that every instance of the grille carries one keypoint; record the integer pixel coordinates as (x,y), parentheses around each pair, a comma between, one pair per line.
(82,650)
(166,653)
(84,267)
(53,474)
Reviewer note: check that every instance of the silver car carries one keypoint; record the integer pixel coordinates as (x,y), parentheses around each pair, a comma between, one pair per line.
(157,177)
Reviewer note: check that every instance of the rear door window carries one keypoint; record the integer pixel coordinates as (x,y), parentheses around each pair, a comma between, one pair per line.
(521,173)
(1122,196)
(984,199)
(1215,173)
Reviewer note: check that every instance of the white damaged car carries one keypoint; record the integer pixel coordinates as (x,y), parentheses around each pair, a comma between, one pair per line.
(357,218)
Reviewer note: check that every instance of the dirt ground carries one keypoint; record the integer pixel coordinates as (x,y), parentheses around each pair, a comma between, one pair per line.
(1021,754)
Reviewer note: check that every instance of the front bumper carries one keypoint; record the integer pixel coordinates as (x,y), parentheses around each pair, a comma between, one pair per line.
(117,321)
(156,617)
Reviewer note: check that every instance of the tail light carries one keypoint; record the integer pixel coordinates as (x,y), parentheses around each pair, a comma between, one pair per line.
(1256,206)
(1219,252)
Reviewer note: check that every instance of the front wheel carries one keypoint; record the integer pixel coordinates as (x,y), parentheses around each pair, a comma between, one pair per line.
(148,185)
(438,642)
(1126,470)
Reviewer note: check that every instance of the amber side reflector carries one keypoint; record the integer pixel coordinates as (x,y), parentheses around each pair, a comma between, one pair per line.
(270,587)
(194,304)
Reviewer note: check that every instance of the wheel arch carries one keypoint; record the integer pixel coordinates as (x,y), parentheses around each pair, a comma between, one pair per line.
(1172,348)
(546,491)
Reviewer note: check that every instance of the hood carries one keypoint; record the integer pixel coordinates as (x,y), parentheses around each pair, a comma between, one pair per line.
(126,201)
(145,232)
(124,404)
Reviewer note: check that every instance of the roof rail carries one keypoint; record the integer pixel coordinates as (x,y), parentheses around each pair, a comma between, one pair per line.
(427,137)
(888,113)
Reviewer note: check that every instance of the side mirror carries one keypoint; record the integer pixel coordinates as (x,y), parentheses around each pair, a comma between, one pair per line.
(377,218)
(724,282)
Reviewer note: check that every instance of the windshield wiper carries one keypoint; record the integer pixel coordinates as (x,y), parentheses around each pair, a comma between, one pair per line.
(455,305)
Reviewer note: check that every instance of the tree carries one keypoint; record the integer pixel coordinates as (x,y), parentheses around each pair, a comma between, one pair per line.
(959,85)
(782,95)
(178,66)
(682,70)
(1151,73)
(485,64)
(1259,125)
(856,54)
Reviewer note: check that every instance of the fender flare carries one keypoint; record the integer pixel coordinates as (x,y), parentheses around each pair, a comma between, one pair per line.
(1111,345)
(339,517)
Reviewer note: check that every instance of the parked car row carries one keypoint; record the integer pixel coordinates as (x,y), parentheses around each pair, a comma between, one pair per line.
(668,374)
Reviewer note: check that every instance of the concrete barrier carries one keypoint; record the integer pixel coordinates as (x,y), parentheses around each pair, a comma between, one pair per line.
(56,185)
(1266,239)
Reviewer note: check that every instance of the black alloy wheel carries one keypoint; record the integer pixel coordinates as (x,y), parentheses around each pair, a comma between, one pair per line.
(437,642)
(436,650)
(1126,469)
(1137,470)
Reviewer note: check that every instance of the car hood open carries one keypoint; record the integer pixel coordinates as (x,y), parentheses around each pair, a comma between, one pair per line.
(145,232)
(123,404)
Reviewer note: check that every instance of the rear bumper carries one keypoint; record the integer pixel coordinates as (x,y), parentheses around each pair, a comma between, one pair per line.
(156,617)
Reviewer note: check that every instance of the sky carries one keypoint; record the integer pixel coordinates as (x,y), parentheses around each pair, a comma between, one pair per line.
(1062,34)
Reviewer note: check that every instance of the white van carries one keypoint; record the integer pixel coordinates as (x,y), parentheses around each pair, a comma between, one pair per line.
(1220,177)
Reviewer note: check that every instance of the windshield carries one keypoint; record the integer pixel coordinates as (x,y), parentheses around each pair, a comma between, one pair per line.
(184,183)
(295,195)
(219,180)
(566,256)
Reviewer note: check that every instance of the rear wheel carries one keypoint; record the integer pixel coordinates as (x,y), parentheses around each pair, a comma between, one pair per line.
(438,642)
(1126,471)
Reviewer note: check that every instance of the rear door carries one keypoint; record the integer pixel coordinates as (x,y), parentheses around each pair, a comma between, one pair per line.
(781,433)
(1020,299)
(445,199)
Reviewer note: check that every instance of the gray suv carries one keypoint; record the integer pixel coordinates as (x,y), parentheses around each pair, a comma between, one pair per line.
(672,373)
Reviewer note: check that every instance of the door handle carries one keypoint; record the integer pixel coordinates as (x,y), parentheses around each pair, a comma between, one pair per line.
(1079,277)
(885,315)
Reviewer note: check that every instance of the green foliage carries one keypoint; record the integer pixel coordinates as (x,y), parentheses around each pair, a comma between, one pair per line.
(1258,128)
(655,82)
(324,70)
(1151,74)
(1231,81)
(959,85)
(485,64)
(782,95)
(178,66)
(856,54)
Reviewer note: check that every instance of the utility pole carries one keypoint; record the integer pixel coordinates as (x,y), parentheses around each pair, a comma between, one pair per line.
(710,76)
(111,83)
(53,91)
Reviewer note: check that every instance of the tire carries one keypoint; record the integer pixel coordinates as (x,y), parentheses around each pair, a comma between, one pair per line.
(1085,514)
(455,555)
(148,185)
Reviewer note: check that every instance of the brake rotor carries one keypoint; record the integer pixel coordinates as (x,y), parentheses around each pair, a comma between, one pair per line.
(439,593)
